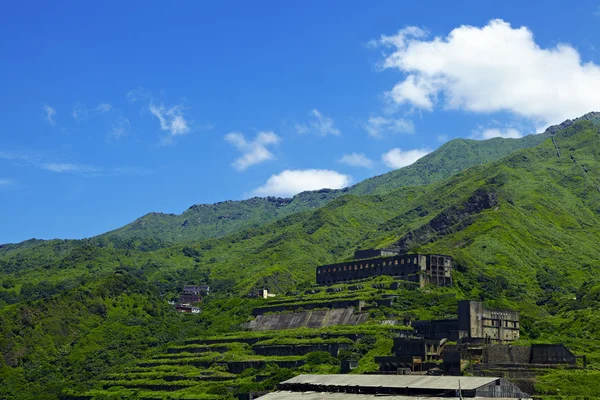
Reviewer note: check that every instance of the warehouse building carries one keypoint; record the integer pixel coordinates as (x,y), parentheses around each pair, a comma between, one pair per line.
(404,386)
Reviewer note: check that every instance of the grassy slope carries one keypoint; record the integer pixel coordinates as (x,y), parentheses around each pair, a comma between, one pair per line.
(216,220)
(535,252)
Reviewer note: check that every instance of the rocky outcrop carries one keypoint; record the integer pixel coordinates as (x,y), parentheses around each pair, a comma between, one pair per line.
(593,116)
(451,219)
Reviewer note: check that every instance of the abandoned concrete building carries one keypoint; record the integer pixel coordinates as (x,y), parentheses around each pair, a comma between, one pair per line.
(199,289)
(412,354)
(436,357)
(521,364)
(427,348)
(192,294)
(418,268)
(535,355)
(474,323)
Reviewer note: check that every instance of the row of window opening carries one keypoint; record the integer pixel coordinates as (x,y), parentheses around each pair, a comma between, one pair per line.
(365,266)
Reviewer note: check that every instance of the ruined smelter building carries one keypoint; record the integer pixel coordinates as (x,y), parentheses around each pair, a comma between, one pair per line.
(418,268)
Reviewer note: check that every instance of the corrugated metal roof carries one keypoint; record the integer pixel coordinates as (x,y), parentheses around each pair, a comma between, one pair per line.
(394,381)
(287,395)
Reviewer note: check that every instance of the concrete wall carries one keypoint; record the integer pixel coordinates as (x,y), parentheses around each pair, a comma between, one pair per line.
(500,325)
(409,347)
(298,349)
(237,367)
(405,266)
(482,323)
(437,329)
(551,354)
(373,253)
(506,354)
(435,269)
(469,318)
(202,349)
(308,319)
(309,306)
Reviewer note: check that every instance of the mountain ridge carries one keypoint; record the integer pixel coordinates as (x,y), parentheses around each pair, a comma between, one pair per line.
(523,232)
(216,220)
(430,168)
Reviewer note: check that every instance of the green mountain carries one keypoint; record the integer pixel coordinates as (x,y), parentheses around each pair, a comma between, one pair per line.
(523,231)
(216,220)
(202,221)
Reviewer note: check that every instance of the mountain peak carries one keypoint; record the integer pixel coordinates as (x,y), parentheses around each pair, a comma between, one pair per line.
(593,116)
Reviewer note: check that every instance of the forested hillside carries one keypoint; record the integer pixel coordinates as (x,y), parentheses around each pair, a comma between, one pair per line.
(523,231)
(215,220)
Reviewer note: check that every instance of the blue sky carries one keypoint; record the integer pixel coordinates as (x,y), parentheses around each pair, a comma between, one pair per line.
(115,109)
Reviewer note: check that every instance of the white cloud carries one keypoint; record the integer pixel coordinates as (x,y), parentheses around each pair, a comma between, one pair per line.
(320,123)
(377,126)
(254,152)
(81,112)
(398,158)
(120,128)
(171,119)
(356,160)
(490,69)
(291,182)
(139,94)
(104,107)
(90,170)
(489,133)
(64,167)
(39,160)
(14,156)
(50,113)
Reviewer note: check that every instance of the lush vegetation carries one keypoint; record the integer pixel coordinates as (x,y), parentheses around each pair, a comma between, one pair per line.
(91,316)
(216,220)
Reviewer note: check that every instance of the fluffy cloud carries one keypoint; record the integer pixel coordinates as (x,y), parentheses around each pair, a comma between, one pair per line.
(398,158)
(320,123)
(489,69)
(171,119)
(378,126)
(50,113)
(254,152)
(291,182)
(507,133)
(356,160)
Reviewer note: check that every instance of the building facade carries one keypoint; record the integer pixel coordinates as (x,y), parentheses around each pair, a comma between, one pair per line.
(196,289)
(474,323)
(192,294)
(419,268)
(483,323)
